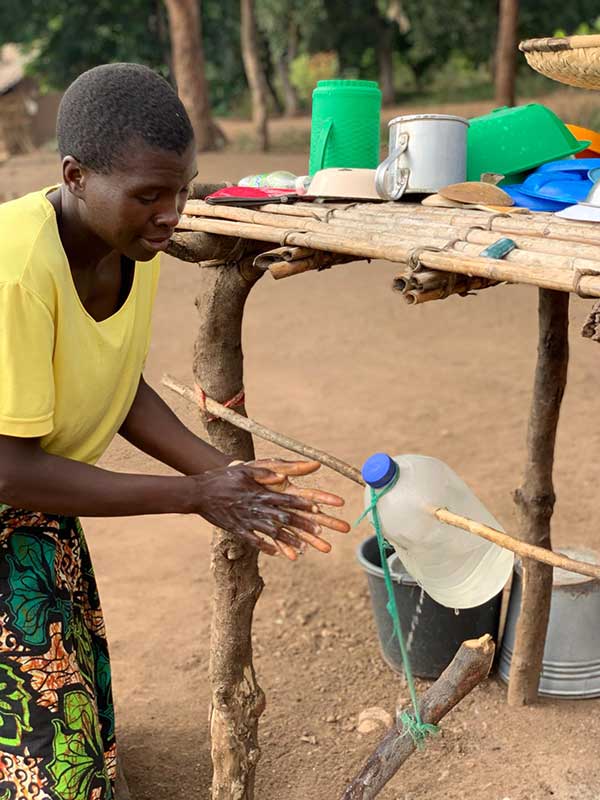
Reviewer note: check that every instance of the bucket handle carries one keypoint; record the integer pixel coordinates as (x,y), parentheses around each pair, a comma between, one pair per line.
(322,143)
(382,176)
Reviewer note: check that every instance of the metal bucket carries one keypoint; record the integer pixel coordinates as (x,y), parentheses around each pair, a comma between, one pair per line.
(571,664)
(432,632)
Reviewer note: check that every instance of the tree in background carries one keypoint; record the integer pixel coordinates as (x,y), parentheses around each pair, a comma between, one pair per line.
(390,19)
(287,26)
(188,65)
(506,53)
(409,45)
(257,82)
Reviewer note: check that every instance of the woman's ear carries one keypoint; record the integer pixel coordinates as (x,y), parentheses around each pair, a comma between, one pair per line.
(74,176)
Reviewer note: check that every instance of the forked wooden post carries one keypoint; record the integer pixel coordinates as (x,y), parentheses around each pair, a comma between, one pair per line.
(535,498)
(237,701)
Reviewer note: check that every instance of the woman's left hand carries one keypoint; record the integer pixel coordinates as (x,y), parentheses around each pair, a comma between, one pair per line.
(280,482)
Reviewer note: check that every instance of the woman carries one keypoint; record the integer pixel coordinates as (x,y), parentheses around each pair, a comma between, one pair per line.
(78,274)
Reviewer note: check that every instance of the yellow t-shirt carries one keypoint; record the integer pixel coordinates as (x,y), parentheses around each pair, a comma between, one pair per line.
(63,376)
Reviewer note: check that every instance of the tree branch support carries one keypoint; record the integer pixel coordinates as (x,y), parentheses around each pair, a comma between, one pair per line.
(237,701)
(535,498)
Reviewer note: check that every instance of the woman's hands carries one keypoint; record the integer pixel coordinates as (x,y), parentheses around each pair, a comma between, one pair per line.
(258,498)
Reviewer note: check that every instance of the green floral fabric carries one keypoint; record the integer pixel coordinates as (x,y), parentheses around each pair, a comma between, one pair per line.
(57,731)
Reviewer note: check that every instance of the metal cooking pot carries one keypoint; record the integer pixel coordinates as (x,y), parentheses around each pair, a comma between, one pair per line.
(571,664)
(427,152)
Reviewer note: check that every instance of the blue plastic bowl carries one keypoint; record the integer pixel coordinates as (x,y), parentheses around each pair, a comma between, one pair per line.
(562,187)
(532,203)
(571,165)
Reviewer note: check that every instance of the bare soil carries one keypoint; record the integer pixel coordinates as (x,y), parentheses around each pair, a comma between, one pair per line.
(336,359)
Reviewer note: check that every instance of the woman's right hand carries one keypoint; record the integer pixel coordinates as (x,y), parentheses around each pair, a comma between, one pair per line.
(238,498)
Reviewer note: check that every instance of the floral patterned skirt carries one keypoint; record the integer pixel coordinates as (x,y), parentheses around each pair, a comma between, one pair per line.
(57,735)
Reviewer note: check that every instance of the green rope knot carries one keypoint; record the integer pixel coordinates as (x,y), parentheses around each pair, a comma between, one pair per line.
(417,729)
(413,724)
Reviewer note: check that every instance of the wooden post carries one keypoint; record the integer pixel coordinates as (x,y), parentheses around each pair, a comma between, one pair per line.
(535,498)
(237,701)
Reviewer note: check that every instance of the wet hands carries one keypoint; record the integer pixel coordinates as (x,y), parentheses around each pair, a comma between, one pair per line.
(257,500)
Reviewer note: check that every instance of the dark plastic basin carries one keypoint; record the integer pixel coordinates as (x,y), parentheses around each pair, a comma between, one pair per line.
(433,631)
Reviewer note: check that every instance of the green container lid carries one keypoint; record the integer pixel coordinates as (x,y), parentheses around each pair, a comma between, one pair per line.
(346,120)
(517,139)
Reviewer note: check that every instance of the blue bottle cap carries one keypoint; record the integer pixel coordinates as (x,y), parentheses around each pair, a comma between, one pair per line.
(379,470)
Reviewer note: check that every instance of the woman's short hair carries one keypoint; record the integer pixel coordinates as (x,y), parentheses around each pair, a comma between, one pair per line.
(110,105)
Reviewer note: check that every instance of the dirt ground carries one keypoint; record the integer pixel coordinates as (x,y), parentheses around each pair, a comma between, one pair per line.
(337,360)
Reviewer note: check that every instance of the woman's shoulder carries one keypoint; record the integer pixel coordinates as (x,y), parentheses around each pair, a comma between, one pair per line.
(28,239)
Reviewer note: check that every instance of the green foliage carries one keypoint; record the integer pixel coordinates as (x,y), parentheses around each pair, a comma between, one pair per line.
(306,70)
(447,46)
(583,29)
(459,73)
(65,40)
(224,67)
(288,23)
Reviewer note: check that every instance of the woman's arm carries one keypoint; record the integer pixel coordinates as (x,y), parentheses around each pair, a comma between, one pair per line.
(152,427)
(32,479)
(237,499)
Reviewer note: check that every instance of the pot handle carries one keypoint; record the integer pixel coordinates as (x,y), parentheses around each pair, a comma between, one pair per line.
(322,143)
(382,181)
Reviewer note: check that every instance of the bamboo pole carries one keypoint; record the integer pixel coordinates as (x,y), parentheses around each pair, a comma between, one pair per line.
(283,262)
(286,269)
(469,667)
(522,549)
(427,285)
(264,260)
(535,498)
(559,279)
(417,225)
(540,225)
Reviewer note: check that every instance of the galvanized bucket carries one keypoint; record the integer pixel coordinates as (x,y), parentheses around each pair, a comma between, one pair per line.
(571,664)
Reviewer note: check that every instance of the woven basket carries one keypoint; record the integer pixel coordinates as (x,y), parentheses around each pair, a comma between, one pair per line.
(574,60)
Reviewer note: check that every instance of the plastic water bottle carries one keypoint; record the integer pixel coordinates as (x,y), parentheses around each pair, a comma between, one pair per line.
(272,180)
(456,568)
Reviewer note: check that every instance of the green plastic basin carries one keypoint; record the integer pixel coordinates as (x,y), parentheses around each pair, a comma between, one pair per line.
(517,139)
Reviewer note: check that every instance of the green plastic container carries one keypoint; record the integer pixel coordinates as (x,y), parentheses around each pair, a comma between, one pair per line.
(517,139)
(346,124)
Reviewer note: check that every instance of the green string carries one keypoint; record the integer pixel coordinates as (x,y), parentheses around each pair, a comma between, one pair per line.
(413,724)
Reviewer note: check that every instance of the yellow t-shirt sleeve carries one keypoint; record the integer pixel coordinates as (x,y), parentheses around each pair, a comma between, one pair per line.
(26,348)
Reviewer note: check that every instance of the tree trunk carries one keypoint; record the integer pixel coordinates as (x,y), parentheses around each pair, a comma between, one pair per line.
(506,52)
(535,499)
(237,701)
(290,96)
(385,58)
(254,73)
(188,65)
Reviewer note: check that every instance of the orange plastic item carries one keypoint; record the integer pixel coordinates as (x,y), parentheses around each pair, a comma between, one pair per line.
(586,135)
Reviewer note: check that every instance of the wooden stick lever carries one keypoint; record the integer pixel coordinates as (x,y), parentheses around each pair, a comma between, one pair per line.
(218,410)
(517,546)
(522,549)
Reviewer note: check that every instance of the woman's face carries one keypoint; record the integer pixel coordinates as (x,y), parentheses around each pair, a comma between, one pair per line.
(134,209)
